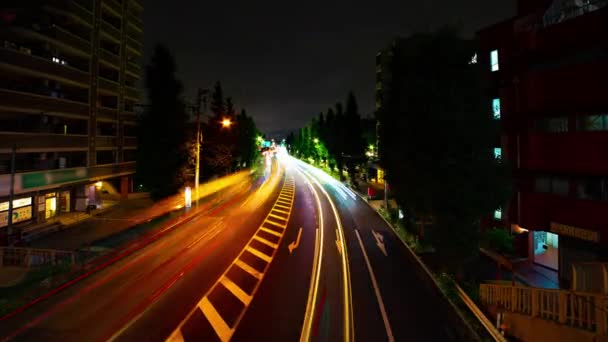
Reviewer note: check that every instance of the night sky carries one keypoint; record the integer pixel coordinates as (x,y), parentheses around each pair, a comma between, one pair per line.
(287,61)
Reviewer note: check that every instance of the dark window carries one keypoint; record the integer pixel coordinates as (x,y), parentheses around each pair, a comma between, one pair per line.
(129,155)
(592,189)
(552,125)
(130,130)
(554,185)
(106,128)
(106,157)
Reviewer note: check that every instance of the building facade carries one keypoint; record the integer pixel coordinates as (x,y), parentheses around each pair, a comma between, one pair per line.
(546,72)
(69,71)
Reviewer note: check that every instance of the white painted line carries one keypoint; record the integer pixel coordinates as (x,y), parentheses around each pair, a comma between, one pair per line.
(270,231)
(258,254)
(277,216)
(266,242)
(249,269)
(236,290)
(387,324)
(280,211)
(282,206)
(275,223)
(217,322)
(176,336)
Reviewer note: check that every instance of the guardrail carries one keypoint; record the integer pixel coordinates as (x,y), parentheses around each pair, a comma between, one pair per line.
(590,277)
(33,257)
(583,310)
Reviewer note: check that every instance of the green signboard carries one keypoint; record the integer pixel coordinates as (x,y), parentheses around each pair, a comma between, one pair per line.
(39,179)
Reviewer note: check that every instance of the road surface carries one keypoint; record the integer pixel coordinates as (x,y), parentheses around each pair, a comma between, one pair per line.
(300,257)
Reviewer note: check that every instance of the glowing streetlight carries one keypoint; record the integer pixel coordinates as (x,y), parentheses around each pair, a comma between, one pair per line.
(226,122)
(316,140)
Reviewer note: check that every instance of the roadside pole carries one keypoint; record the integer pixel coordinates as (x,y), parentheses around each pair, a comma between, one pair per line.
(11,196)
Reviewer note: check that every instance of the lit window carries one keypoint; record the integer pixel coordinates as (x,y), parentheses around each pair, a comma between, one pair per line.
(498,153)
(592,122)
(496,108)
(498,214)
(494,60)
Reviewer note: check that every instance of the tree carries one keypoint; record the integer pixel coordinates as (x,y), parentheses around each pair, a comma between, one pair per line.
(247,132)
(162,140)
(353,144)
(218,106)
(436,139)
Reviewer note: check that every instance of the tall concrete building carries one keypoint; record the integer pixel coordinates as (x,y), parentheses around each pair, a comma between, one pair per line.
(546,70)
(69,71)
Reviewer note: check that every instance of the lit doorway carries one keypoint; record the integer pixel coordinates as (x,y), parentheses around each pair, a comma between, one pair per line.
(50,203)
(546,247)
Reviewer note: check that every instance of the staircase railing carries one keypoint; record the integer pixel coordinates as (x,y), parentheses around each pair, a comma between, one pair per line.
(582,310)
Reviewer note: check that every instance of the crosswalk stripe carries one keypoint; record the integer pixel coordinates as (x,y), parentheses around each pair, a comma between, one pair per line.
(279,217)
(249,269)
(275,223)
(217,322)
(270,231)
(258,254)
(236,290)
(266,242)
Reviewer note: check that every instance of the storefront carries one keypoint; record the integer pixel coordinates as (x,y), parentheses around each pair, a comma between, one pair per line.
(22,211)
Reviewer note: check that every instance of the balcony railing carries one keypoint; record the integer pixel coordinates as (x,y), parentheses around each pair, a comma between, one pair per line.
(43,65)
(43,140)
(108,85)
(105,141)
(581,310)
(132,93)
(113,5)
(134,69)
(109,57)
(72,8)
(111,31)
(107,113)
(135,21)
(41,103)
(134,45)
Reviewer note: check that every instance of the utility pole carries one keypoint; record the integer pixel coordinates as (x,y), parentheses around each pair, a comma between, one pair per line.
(200,97)
(11,196)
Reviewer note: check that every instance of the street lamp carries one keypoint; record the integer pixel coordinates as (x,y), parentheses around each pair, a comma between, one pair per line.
(226,122)
(316,140)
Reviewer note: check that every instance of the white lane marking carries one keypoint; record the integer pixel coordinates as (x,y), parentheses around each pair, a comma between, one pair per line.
(249,269)
(264,241)
(270,231)
(258,254)
(379,241)
(217,322)
(274,223)
(236,290)
(387,325)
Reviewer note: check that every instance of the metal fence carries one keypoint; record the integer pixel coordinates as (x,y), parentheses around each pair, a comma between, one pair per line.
(32,257)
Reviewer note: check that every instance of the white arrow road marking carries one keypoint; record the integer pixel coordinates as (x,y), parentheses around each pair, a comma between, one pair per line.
(296,243)
(379,241)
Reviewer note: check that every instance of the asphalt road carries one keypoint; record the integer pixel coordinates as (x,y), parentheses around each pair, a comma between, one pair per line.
(300,257)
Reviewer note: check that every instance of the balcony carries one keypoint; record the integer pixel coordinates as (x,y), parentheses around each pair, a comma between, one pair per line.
(134,45)
(129,141)
(45,104)
(71,8)
(571,88)
(132,93)
(134,69)
(110,31)
(107,113)
(135,21)
(137,4)
(107,85)
(128,115)
(34,141)
(113,6)
(109,58)
(538,210)
(105,141)
(43,67)
(570,153)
